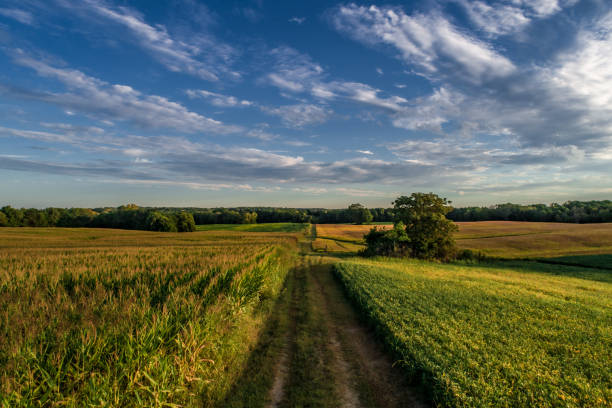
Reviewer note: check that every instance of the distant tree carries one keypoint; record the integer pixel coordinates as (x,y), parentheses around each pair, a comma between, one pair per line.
(429,231)
(421,230)
(34,218)
(185,222)
(157,221)
(394,242)
(360,214)
(14,216)
(3,220)
(249,217)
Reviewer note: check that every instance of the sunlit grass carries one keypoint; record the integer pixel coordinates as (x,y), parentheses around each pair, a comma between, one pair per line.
(498,335)
(265,227)
(129,318)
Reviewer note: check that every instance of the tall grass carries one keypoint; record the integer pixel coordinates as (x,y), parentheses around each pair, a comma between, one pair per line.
(498,335)
(139,319)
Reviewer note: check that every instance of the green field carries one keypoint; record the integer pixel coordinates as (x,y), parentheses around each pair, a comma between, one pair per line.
(492,335)
(595,261)
(92,317)
(270,227)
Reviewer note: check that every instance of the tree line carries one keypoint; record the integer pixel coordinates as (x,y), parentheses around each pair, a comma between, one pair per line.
(582,212)
(184,219)
(125,217)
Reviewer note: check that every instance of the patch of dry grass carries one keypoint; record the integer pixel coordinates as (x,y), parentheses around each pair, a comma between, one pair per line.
(346,232)
(509,239)
(331,245)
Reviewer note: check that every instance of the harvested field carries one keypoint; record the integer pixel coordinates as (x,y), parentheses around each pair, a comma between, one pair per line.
(507,239)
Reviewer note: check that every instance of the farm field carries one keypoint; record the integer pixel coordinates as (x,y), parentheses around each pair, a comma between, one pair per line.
(492,335)
(507,239)
(130,318)
(264,227)
(595,261)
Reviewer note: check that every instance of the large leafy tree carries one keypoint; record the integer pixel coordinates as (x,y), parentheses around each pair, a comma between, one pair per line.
(360,214)
(421,230)
(429,231)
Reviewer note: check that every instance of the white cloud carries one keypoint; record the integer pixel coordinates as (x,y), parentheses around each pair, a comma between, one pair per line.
(496,19)
(24,17)
(310,190)
(300,115)
(429,113)
(297,143)
(217,99)
(358,92)
(297,20)
(368,152)
(586,70)
(379,71)
(201,54)
(429,41)
(500,18)
(113,101)
(262,135)
(293,71)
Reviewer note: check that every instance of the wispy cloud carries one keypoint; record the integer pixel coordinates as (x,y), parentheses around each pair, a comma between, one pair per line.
(217,99)
(24,17)
(293,70)
(429,42)
(113,101)
(500,18)
(297,20)
(300,115)
(201,54)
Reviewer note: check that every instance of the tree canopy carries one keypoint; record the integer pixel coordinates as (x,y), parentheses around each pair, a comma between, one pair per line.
(360,214)
(421,229)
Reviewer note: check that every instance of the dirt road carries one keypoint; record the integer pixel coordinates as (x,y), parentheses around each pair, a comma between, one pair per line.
(330,359)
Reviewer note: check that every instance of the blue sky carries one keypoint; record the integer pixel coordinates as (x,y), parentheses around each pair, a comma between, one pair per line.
(312,104)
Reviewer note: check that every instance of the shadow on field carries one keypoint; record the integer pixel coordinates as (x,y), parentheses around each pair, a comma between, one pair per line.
(550,266)
(252,388)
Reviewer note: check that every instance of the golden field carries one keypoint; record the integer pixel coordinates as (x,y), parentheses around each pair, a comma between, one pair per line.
(507,239)
(94,317)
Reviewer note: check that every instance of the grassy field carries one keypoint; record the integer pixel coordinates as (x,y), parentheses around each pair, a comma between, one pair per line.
(346,232)
(520,334)
(507,239)
(594,261)
(334,246)
(131,318)
(270,227)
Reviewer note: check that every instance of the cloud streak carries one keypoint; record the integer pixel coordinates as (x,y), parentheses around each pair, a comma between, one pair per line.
(113,101)
(428,42)
(201,54)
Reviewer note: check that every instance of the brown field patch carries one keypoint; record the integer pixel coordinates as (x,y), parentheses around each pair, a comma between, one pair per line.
(507,239)
(346,232)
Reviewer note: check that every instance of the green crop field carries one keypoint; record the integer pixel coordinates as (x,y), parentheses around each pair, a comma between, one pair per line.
(596,261)
(269,227)
(509,334)
(92,317)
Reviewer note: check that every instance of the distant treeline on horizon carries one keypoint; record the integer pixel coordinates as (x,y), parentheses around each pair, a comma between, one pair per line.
(182,219)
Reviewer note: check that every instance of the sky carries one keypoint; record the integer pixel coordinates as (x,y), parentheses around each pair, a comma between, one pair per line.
(304,103)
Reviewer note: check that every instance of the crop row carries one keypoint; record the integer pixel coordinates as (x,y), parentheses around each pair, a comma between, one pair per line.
(130,326)
(498,335)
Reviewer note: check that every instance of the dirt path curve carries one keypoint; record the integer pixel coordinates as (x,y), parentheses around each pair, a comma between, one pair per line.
(331,359)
